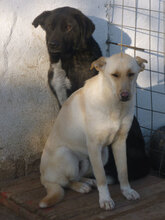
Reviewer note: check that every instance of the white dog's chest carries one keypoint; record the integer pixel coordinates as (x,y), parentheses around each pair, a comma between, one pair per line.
(107,132)
(114,127)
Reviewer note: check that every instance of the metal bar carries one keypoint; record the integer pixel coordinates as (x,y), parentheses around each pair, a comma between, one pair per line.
(145,9)
(136,4)
(125,45)
(135,48)
(155,71)
(164,39)
(162,157)
(151,99)
(142,29)
(108,10)
(146,109)
(147,129)
(135,28)
(122,26)
(161,93)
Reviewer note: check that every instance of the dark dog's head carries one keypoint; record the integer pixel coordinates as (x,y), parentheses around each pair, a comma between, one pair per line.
(67,29)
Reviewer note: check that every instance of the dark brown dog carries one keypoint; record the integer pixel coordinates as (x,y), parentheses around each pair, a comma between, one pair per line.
(71,49)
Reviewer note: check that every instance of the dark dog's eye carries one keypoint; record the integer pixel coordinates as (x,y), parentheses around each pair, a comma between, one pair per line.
(50,26)
(68,28)
(115,75)
(130,74)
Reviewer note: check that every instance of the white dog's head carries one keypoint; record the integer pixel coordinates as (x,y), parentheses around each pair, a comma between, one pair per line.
(121,71)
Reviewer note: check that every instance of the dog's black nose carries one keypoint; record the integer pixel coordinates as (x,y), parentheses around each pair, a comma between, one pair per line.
(53,46)
(53,43)
(124,96)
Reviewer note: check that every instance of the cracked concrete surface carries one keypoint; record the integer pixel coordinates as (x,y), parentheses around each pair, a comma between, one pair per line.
(28,109)
(5,52)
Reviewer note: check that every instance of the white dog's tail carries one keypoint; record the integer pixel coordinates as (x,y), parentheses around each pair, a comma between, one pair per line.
(55,194)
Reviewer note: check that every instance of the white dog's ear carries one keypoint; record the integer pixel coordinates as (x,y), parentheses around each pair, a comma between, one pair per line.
(140,61)
(99,64)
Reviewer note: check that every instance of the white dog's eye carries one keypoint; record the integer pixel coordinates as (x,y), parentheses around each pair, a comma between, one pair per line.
(115,75)
(131,74)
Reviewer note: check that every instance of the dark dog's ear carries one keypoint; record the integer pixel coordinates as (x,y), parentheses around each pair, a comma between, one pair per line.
(89,27)
(99,64)
(86,26)
(40,19)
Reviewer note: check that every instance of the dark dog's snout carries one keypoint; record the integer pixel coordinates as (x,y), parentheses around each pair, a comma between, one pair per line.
(54,46)
(124,96)
(51,43)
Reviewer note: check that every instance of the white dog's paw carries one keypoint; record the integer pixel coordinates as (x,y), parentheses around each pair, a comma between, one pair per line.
(131,194)
(84,188)
(107,204)
(80,187)
(91,182)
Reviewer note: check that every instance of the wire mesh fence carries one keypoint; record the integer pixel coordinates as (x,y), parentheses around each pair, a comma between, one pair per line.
(138,28)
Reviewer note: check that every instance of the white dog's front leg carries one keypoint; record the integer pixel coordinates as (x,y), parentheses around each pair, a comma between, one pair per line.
(119,151)
(105,199)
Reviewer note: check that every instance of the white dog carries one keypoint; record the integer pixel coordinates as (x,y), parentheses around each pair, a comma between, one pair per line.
(95,116)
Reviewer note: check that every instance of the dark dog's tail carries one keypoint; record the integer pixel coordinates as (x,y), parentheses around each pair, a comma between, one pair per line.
(55,194)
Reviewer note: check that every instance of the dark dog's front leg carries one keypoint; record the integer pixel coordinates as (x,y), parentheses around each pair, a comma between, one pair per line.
(58,82)
(50,78)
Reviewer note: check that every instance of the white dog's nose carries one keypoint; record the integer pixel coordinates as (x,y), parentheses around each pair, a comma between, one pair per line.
(124,96)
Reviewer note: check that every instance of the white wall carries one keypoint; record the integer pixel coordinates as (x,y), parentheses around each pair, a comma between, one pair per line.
(27,107)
